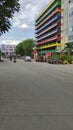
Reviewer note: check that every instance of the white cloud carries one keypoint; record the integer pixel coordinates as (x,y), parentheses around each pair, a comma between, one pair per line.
(19,24)
(16,23)
(12,42)
(24,20)
(28,12)
(23,26)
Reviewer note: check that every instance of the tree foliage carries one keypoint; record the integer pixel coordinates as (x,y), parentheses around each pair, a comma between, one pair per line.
(69,48)
(25,47)
(7,10)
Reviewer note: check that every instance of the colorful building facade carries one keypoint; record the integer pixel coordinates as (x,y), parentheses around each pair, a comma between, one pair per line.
(51,27)
(48,28)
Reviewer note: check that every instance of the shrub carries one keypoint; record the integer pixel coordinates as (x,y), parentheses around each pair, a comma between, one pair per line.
(63,57)
(70,59)
(66,57)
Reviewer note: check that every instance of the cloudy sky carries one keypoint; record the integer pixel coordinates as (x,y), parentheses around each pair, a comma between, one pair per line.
(23,21)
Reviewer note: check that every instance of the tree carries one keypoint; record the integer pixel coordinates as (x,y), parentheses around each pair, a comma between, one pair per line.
(25,47)
(69,48)
(19,49)
(7,10)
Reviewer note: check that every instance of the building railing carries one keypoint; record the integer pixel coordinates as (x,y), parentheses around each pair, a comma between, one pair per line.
(37,35)
(50,3)
(49,40)
(49,11)
(48,23)
(49,34)
(49,46)
(57,10)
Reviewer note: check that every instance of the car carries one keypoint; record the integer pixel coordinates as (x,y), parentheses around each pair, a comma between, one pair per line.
(27,59)
(1,59)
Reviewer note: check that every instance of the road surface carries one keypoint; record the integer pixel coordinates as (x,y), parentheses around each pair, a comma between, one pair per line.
(36,96)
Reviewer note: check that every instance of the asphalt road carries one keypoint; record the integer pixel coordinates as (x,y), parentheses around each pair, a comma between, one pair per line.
(36,96)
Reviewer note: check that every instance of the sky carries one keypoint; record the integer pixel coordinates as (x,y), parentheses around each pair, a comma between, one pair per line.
(23,23)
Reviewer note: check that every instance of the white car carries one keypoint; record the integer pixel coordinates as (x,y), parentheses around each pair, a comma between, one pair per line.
(27,58)
(2,59)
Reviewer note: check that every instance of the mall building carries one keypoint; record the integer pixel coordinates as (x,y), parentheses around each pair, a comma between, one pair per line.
(54,26)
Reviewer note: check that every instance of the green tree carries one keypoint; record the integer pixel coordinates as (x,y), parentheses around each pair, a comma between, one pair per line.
(19,49)
(7,10)
(25,47)
(0,52)
(69,48)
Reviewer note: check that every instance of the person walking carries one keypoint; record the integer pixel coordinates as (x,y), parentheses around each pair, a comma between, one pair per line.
(10,57)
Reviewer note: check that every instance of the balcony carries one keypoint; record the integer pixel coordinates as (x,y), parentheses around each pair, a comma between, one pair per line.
(49,40)
(49,28)
(48,23)
(48,12)
(50,3)
(56,11)
(49,34)
(49,46)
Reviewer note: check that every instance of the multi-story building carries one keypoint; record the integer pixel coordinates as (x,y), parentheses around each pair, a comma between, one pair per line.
(70,21)
(8,49)
(48,27)
(52,26)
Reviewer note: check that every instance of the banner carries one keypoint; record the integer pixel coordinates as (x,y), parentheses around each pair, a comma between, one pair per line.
(48,54)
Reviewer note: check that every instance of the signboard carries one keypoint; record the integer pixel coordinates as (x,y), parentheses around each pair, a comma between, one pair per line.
(34,51)
(48,54)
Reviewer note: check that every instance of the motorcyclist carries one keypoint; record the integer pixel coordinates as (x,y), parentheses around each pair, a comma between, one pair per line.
(14,58)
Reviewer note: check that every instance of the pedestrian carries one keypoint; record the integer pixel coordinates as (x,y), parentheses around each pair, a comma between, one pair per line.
(10,57)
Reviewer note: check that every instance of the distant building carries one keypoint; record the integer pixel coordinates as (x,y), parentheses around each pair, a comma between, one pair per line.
(8,49)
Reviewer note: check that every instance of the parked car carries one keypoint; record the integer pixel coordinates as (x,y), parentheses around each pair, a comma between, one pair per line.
(1,59)
(27,59)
